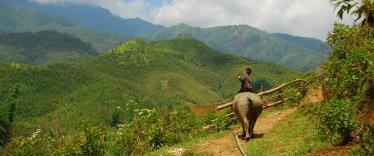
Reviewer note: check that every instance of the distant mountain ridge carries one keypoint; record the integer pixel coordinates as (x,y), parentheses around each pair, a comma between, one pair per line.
(299,53)
(243,40)
(18,19)
(311,43)
(92,17)
(42,47)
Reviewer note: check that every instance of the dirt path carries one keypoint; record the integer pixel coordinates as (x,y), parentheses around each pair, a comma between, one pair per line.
(226,146)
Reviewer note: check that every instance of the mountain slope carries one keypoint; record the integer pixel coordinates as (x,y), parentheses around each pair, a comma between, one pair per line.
(16,19)
(163,73)
(41,47)
(249,42)
(95,18)
(310,43)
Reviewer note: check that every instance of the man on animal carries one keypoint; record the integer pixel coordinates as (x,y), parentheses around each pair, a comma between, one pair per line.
(247,106)
(246,85)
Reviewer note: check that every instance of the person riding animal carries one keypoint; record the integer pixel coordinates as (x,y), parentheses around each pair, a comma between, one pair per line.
(246,84)
(247,106)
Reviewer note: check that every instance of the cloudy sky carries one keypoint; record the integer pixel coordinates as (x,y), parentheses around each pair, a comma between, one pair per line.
(312,18)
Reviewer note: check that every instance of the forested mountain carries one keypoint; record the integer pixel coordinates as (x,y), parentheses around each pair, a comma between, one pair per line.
(243,40)
(17,19)
(165,73)
(310,43)
(295,52)
(95,18)
(41,47)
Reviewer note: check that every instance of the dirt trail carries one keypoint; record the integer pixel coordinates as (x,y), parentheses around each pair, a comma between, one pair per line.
(226,146)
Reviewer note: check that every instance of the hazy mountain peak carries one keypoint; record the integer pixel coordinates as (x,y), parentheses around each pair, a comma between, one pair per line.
(182,25)
(93,17)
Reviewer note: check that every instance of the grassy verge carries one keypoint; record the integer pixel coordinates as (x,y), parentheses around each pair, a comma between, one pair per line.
(295,135)
(187,145)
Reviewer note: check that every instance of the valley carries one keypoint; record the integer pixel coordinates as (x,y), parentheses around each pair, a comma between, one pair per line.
(124,78)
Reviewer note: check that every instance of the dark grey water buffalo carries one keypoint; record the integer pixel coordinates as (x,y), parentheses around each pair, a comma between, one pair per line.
(247,107)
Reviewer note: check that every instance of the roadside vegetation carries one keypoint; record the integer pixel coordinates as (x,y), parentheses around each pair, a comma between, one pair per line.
(348,80)
(128,101)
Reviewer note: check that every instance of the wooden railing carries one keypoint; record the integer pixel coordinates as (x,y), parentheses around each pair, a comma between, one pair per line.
(278,94)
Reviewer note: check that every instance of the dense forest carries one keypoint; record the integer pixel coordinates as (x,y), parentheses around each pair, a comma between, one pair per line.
(298,53)
(42,47)
(135,77)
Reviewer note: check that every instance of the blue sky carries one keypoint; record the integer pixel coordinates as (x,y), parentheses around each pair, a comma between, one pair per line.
(311,18)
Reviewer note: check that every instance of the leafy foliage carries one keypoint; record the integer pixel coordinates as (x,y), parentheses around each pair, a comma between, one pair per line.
(362,8)
(88,141)
(367,146)
(261,84)
(337,120)
(115,118)
(130,54)
(350,65)
(349,73)
(153,129)
(92,140)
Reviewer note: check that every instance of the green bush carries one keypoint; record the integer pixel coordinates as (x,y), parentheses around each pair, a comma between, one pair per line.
(37,144)
(92,140)
(350,75)
(337,120)
(152,129)
(367,147)
(219,121)
(115,117)
(350,66)
(89,141)
(261,84)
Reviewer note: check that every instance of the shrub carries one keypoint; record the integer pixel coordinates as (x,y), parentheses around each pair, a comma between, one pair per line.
(92,140)
(219,121)
(152,129)
(337,120)
(261,84)
(350,66)
(36,144)
(368,145)
(115,117)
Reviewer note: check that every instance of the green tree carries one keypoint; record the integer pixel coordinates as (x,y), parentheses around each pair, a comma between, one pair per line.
(115,117)
(261,84)
(7,118)
(358,8)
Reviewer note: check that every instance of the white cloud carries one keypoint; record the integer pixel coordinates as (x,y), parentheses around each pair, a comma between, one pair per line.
(313,18)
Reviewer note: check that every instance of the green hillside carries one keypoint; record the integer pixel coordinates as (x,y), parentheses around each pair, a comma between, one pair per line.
(252,43)
(41,47)
(310,43)
(163,73)
(16,19)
